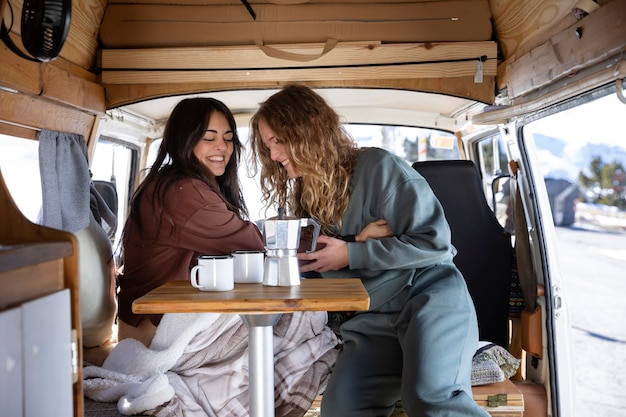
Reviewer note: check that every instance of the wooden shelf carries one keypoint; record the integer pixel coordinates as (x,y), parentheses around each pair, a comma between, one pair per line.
(13,256)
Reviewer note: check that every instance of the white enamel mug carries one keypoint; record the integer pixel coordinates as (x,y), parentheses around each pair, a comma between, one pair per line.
(213,273)
(249,266)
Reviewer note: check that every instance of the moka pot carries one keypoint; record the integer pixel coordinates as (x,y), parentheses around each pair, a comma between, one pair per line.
(282,238)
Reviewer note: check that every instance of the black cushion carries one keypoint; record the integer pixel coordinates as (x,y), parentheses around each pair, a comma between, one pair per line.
(484,247)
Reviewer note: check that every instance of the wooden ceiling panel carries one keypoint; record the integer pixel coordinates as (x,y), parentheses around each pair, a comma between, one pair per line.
(169,25)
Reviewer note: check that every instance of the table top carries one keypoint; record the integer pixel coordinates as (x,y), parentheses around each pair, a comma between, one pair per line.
(313,294)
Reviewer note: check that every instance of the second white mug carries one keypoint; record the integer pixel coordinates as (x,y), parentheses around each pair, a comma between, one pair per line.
(248,266)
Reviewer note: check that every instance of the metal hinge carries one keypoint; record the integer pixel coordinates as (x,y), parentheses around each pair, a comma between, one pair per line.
(497,400)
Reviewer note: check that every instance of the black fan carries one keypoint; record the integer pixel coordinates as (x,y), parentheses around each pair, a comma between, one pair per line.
(45,24)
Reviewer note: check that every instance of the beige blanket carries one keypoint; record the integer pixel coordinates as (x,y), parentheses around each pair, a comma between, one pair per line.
(197,366)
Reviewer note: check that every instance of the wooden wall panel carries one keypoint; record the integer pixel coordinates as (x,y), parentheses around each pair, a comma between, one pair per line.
(522,25)
(135,25)
(571,50)
(19,74)
(82,40)
(65,88)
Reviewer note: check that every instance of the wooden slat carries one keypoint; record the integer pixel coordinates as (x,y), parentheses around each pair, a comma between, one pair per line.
(58,85)
(19,131)
(347,61)
(252,57)
(560,91)
(341,294)
(426,70)
(30,282)
(567,53)
(19,74)
(121,94)
(13,256)
(42,114)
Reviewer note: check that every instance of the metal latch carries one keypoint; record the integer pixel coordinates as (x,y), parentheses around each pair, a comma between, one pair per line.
(497,400)
(74,357)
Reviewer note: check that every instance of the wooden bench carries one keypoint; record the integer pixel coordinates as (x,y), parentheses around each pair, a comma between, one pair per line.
(503,399)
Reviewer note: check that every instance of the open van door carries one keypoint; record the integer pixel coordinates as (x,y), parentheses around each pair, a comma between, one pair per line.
(518,140)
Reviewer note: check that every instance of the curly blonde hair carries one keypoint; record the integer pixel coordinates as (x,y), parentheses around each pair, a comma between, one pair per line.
(320,150)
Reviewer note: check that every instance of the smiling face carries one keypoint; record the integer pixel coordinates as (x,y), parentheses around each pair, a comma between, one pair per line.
(276,148)
(216,146)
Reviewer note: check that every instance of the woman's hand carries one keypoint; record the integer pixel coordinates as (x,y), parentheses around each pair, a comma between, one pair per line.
(332,256)
(374,230)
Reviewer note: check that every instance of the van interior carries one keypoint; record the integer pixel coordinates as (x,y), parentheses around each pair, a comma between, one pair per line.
(449,85)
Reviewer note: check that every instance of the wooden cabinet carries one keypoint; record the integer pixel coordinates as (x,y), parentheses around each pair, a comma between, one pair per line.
(36,355)
(11,375)
(40,342)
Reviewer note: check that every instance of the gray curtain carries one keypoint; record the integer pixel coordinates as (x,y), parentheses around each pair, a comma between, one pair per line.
(65,180)
(69,197)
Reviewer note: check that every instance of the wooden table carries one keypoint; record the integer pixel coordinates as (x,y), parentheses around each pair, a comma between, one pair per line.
(260,308)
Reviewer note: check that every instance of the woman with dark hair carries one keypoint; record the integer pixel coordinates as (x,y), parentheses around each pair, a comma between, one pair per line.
(189,204)
(416,341)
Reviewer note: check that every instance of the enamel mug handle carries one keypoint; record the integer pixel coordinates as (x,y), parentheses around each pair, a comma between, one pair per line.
(194,276)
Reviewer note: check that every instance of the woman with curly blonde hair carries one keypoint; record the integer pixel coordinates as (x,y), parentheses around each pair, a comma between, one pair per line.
(416,341)
(321,186)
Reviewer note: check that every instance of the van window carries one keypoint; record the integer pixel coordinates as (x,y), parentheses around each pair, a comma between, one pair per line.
(581,156)
(411,143)
(116,162)
(19,162)
(493,162)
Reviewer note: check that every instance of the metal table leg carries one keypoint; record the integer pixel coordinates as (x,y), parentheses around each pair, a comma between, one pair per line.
(261,362)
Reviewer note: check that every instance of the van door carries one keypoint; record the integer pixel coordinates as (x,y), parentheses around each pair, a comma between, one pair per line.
(581,142)
(551,365)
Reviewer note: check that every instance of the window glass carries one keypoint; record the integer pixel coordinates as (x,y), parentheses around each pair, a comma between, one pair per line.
(582,156)
(494,167)
(411,143)
(115,162)
(19,162)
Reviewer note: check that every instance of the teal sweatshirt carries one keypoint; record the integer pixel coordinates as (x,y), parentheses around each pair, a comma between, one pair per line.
(385,186)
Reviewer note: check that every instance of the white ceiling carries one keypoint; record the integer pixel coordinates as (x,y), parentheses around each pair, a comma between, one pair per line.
(355,105)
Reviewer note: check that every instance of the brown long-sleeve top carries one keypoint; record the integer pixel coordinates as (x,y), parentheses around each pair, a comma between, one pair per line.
(200,225)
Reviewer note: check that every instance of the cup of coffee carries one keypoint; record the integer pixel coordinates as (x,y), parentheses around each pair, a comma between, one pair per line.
(248,266)
(213,273)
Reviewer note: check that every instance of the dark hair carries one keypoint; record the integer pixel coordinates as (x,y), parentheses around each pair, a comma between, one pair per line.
(176,160)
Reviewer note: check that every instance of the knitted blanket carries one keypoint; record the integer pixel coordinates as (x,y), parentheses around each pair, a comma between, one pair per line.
(197,366)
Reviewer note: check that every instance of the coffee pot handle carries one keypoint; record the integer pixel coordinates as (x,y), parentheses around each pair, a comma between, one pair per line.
(316,232)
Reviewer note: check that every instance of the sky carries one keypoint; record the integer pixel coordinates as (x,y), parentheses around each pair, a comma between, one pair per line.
(602,121)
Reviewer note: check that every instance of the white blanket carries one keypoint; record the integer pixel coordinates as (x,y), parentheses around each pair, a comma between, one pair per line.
(197,366)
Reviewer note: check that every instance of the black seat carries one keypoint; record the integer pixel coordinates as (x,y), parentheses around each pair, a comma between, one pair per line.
(108,192)
(484,247)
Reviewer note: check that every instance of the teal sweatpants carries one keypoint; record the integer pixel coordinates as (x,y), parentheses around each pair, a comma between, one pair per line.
(418,347)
